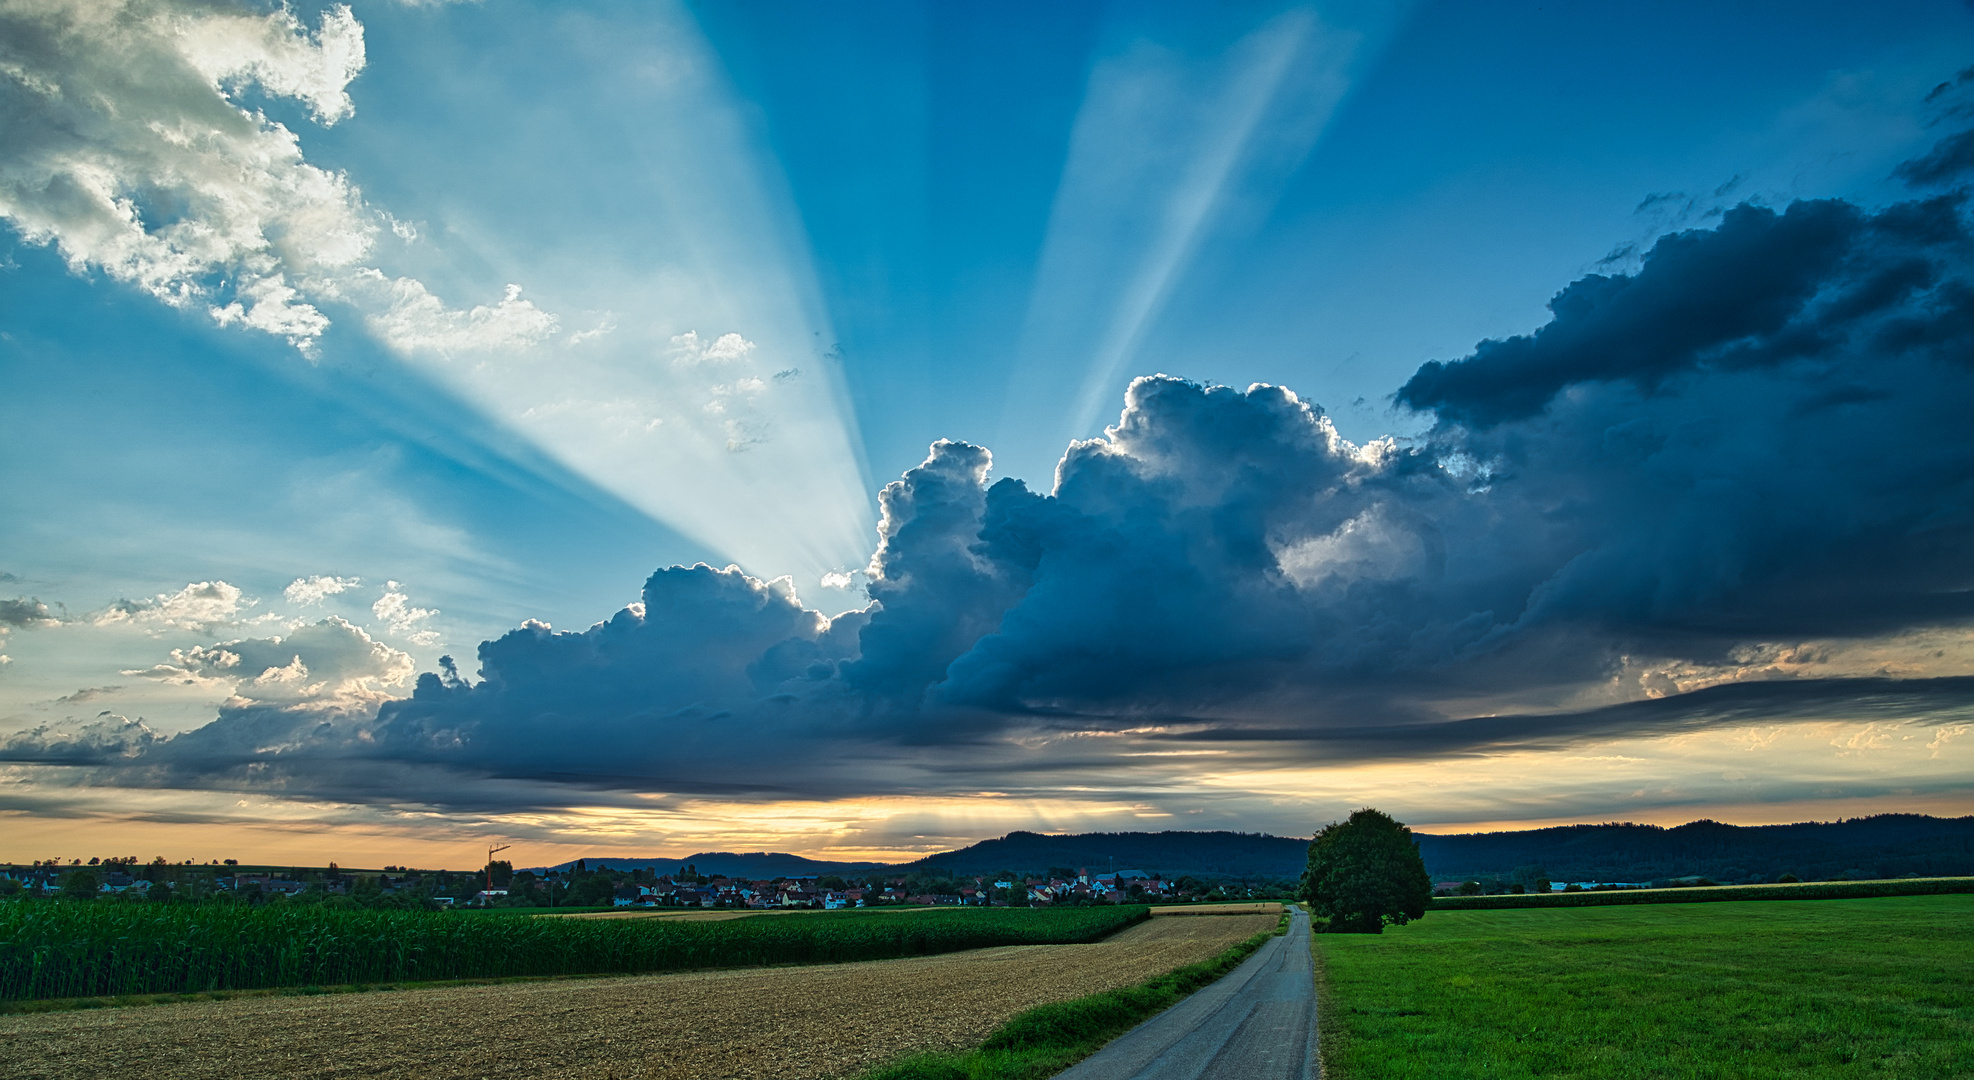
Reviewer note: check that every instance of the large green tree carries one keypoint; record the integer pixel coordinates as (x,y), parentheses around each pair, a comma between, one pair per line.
(1365,872)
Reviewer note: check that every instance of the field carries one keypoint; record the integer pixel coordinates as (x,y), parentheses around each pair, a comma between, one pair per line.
(1270,907)
(1808,890)
(68,950)
(1880,988)
(761,1024)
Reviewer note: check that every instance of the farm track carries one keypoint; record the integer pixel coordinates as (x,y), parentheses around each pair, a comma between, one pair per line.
(788,1023)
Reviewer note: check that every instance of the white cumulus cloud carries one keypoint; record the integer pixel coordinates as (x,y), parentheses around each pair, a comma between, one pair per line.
(413,320)
(404,620)
(330,662)
(129,148)
(202,606)
(689,349)
(312,590)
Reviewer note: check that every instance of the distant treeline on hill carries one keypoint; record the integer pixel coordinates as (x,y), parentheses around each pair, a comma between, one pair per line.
(1886,845)
(1199,854)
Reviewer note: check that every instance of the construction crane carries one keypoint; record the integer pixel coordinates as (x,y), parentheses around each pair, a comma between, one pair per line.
(491,852)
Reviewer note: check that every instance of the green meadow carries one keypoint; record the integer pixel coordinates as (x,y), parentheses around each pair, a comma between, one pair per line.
(1877,988)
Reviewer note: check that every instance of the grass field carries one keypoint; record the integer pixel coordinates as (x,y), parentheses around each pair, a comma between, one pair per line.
(1808,890)
(1880,988)
(71,950)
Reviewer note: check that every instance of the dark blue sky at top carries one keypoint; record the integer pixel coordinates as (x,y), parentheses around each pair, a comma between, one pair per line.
(1487,155)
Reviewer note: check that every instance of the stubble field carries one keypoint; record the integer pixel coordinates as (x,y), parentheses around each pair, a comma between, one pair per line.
(781,1023)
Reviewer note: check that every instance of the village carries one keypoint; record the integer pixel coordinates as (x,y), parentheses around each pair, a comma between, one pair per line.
(830,893)
(578,885)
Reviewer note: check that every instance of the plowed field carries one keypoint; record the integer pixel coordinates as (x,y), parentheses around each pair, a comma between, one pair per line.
(781,1023)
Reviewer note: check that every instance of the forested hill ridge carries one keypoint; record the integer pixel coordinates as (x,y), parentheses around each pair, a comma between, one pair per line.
(1172,854)
(1886,845)
(753,865)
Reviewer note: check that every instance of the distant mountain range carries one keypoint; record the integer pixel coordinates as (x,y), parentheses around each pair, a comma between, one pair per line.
(1887,845)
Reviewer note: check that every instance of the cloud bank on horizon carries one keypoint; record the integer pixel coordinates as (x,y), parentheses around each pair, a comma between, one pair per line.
(1732,485)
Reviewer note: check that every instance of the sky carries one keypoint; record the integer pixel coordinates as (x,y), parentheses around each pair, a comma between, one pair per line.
(860,430)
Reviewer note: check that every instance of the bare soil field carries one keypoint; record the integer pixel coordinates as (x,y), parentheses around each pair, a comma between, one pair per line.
(793,1023)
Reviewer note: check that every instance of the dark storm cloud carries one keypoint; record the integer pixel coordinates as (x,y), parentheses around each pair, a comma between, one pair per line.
(1759,439)
(1937,701)
(1949,160)
(1763,290)
(1760,436)
(1952,157)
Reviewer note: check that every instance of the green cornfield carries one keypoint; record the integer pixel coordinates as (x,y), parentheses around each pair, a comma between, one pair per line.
(68,950)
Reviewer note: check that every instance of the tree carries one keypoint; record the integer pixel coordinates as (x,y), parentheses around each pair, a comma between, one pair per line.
(80,885)
(1365,872)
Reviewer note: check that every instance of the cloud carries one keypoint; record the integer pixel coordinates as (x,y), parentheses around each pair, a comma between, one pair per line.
(1762,289)
(1952,157)
(688,350)
(404,620)
(328,662)
(107,738)
(313,590)
(132,149)
(127,151)
(25,613)
(202,606)
(1733,487)
(413,320)
(22,613)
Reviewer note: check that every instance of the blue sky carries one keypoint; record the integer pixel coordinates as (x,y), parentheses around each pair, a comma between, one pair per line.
(533,300)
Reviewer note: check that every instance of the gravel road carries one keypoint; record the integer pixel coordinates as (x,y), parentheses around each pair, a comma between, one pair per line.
(781,1023)
(1258,1023)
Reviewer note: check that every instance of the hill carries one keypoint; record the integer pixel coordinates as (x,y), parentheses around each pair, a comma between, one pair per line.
(754,865)
(1173,854)
(1885,845)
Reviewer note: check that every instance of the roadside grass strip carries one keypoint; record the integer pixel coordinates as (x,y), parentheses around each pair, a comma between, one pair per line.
(1880,988)
(1708,894)
(1047,1039)
(63,949)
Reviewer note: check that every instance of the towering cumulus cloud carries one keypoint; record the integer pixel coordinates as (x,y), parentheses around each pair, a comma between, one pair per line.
(1736,483)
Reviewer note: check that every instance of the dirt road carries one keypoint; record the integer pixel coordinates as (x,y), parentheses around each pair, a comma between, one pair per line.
(781,1023)
(1258,1023)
